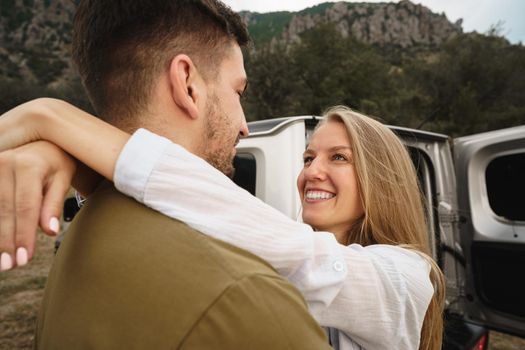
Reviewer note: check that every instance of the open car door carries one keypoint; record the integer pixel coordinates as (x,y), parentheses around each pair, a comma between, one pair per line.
(490,171)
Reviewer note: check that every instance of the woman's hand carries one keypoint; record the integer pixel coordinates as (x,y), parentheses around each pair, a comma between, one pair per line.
(34,181)
(35,178)
(87,138)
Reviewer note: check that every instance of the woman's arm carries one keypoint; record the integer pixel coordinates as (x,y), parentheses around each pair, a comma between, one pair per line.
(363,291)
(87,138)
(169,179)
(35,177)
(384,299)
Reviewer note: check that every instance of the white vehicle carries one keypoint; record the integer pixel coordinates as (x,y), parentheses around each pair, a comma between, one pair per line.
(474,190)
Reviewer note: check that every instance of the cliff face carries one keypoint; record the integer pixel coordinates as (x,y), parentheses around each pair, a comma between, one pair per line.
(401,24)
(35,35)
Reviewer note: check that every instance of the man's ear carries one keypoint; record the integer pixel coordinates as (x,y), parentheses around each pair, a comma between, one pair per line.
(186,85)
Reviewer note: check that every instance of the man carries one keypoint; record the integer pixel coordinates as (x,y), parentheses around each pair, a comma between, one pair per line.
(125,276)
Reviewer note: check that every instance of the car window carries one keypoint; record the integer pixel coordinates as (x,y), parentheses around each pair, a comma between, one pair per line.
(245,174)
(505,181)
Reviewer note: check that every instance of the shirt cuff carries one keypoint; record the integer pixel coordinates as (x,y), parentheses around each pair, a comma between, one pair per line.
(136,161)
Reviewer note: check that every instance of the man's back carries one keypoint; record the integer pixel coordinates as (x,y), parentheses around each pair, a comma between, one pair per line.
(126,277)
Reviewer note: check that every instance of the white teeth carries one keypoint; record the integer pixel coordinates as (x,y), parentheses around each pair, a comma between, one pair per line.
(319,195)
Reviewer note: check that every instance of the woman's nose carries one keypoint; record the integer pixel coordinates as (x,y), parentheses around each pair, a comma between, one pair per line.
(316,170)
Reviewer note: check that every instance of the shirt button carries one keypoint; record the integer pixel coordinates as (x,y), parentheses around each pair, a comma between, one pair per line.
(338,266)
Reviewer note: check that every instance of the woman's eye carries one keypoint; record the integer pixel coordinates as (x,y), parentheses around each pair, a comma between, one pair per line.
(307,160)
(339,157)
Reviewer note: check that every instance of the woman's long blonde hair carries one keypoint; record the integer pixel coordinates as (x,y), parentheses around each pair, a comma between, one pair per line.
(393,204)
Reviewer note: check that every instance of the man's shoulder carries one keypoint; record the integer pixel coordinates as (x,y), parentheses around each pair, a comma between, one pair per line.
(113,219)
(119,244)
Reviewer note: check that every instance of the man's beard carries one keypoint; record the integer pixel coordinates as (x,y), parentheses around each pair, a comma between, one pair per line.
(218,143)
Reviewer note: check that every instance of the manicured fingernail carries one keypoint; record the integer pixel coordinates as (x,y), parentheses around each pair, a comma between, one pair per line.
(21,256)
(6,262)
(54,225)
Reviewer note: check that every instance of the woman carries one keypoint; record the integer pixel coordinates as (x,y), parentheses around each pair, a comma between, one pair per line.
(356,173)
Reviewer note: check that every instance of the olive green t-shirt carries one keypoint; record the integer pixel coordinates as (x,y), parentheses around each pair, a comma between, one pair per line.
(127,277)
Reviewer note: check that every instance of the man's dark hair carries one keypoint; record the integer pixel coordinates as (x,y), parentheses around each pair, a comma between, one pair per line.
(120,47)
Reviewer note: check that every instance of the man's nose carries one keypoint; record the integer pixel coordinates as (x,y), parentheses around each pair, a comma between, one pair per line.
(243,131)
(316,170)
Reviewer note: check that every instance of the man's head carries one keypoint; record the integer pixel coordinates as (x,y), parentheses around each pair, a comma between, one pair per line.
(134,55)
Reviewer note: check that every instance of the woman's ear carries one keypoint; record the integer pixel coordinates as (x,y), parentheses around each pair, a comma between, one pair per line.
(187,86)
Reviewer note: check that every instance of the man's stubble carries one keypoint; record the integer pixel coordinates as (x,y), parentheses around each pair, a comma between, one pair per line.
(220,138)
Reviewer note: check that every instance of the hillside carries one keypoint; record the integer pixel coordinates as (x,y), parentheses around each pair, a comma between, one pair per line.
(399,61)
(402,24)
(35,35)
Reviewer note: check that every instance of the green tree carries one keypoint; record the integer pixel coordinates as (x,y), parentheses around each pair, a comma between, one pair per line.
(15,92)
(476,84)
(323,70)
(272,85)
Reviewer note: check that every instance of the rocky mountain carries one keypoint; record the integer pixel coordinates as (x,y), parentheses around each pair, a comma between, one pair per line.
(35,35)
(403,24)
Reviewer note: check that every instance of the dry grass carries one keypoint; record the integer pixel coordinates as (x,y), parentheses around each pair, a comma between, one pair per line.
(21,291)
(500,341)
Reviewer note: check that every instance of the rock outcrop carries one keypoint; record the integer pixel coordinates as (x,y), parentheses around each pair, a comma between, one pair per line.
(402,24)
(35,35)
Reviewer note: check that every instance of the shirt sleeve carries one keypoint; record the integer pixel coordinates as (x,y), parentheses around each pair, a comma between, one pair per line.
(343,285)
(383,301)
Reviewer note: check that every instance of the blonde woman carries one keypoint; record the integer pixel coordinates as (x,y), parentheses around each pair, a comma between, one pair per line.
(358,183)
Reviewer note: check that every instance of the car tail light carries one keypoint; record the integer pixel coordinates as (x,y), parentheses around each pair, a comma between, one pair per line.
(481,344)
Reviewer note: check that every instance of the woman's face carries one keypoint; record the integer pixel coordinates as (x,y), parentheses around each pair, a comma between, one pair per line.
(328,183)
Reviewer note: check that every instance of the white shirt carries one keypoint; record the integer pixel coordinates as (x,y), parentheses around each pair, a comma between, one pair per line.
(376,296)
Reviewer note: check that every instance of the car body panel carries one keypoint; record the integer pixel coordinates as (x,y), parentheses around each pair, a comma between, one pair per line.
(490,169)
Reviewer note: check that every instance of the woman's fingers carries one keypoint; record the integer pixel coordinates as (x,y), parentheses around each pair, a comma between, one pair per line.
(53,203)
(28,202)
(7,211)
(34,180)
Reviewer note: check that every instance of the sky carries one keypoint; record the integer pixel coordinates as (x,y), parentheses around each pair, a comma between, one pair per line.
(477,15)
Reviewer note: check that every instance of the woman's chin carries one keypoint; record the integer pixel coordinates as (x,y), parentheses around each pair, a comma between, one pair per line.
(316,221)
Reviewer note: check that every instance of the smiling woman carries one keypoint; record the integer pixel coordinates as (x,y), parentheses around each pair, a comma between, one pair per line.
(328,185)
